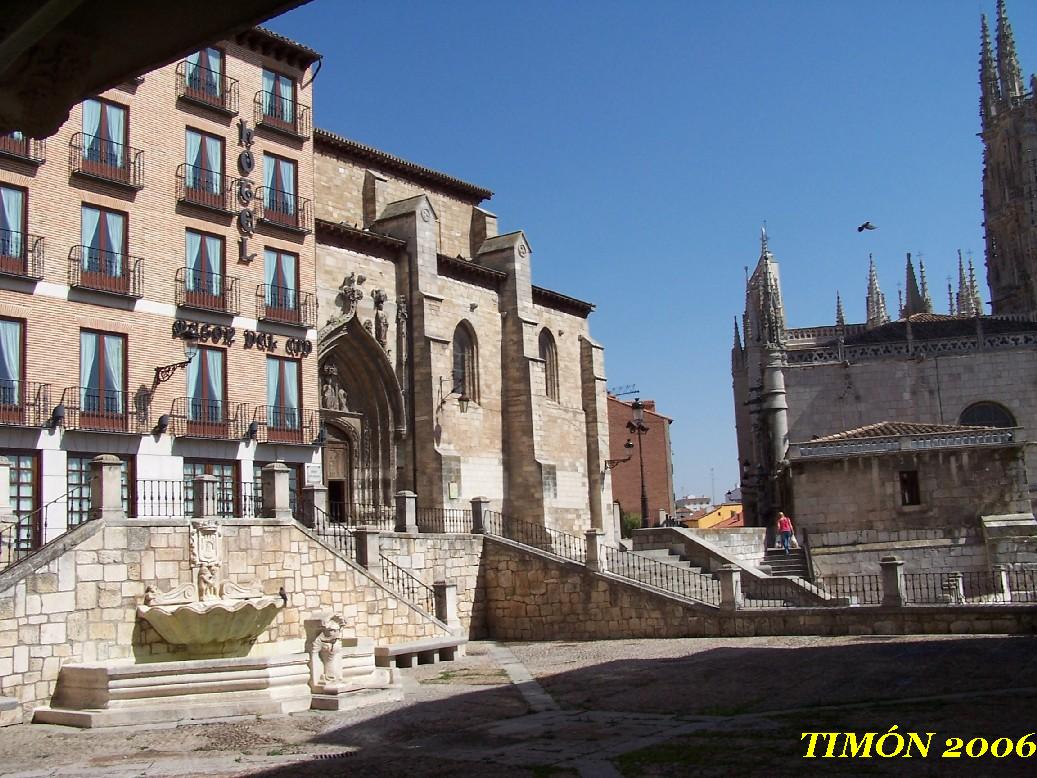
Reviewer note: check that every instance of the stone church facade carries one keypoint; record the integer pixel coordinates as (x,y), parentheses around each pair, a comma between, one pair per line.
(955,369)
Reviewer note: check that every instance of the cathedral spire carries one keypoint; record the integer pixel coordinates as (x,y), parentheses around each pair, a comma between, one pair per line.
(990,92)
(738,339)
(913,302)
(1007,61)
(976,300)
(927,302)
(840,317)
(964,298)
(764,250)
(876,302)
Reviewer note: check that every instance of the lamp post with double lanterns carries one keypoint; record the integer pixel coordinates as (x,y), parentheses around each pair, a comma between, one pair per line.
(638,427)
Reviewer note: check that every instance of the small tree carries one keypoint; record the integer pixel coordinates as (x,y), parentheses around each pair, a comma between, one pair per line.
(628,522)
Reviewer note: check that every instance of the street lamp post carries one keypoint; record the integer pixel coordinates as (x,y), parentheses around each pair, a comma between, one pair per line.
(638,426)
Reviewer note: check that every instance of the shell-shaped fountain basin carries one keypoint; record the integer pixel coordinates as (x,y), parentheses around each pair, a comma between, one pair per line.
(212,621)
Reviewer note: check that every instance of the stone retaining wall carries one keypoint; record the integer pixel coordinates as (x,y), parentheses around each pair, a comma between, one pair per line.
(928,550)
(76,600)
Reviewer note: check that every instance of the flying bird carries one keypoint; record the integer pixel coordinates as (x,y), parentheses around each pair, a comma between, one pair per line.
(866,226)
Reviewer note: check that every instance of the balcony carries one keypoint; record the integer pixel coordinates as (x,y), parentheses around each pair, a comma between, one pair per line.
(206,87)
(105,160)
(278,424)
(24,403)
(285,116)
(105,271)
(22,149)
(283,209)
(206,291)
(101,410)
(285,306)
(200,418)
(21,255)
(204,188)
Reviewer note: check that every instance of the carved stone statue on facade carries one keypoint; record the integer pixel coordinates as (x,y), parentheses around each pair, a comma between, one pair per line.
(208,588)
(349,295)
(325,656)
(333,396)
(381,321)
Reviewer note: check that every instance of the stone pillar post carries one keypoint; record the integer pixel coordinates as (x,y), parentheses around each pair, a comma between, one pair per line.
(661,520)
(314,503)
(6,512)
(892,581)
(368,548)
(956,588)
(730,587)
(479,514)
(106,488)
(1002,583)
(446,603)
(277,501)
(596,561)
(206,497)
(406,511)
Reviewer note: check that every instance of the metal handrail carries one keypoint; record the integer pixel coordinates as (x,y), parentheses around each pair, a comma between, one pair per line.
(412,589)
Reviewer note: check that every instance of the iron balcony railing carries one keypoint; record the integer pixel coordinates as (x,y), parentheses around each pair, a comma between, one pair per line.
(24,403)
(106,271)
(206,291)
(194,417)
(207,87)
(444,520)
(96,157)
(21,254)
(14,145)
(285,305)
(360,514)
(283,209)
(103,410)
(405,584)
(278,424)
(336,534)
(286,116)
(204,188)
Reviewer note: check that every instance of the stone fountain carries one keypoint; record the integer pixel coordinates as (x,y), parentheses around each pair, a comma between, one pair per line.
(214,625)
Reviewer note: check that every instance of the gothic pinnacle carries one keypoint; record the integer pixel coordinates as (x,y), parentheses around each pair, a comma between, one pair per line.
(1007,61)
(840,318)
(989,91)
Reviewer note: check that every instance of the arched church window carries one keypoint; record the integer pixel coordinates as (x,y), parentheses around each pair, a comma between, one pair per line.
(987,414)
(466,366)
(550,357)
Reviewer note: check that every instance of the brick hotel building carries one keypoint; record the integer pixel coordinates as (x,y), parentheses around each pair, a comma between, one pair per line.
(157,287)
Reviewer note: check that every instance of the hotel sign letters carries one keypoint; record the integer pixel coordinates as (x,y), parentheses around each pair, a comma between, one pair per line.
(203,332)
(245,193)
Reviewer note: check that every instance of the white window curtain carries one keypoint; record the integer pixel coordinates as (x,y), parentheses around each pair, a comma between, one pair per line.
(90,237)
(214,78)
(279,271)
(269,186)
(194,279)
(273,382)
(213,255)
(268,93)
(12,203)
(193,147)
(287,177)
(116,133)
(286,99)
(192,72)
(113,262)
(288,281)
(113,384)
(10,360)
(290,390)
(195,389)
(270,278)
(92,130)
(89,372)
(212,164)
(214,365)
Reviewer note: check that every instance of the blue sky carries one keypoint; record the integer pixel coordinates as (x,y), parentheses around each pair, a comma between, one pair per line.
(641,145)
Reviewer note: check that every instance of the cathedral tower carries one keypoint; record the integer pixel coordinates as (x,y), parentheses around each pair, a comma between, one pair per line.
(1009,132)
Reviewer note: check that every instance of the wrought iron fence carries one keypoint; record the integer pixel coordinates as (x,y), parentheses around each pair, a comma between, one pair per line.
(973,587)
(21,254)
(97,157)
(660,575)
(203,187)
(283,209)
(160,498)
(278,424)
(553,541)
(403,583)
(15,145)
(285,305)
(337,534)
(865,589)
(105,271)
(194,417)
(211,88)
(281,114)
(359,514)
(206,291)
(24,403)
(102,410)
(32,531)
(458,520)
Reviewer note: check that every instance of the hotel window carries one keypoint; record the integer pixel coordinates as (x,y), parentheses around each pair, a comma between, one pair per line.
(102,379)
(12,344)
(206,390)
(465,365)
(282,284)
(550,357)
(105,138)
(12,229)
(204,76)
(78,473)
(550,479)
(226,480)
(104,239)
(278,99)
(279,204)
(203,281)
(25,496)
(282,395)
(204,174)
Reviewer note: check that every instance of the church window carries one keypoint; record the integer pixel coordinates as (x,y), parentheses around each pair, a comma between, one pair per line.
(465,363)
(550,357)
(987,414)
(910,494)
(550,473)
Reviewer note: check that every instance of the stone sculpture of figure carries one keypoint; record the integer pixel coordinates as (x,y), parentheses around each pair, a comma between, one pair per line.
(381,321)
(333,396)
(325,657)
(349,295)
(207,588)
(343,404)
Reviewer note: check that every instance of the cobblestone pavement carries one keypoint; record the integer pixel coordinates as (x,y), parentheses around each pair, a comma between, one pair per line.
(607,708)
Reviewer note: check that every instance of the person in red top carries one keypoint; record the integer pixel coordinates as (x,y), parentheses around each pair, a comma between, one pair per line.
(785,528)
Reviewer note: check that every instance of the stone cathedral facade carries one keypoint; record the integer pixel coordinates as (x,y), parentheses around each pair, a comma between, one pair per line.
(915,362)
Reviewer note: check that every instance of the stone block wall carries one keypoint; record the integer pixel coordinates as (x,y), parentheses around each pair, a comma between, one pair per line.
(456,559)
(76,600)
(923,550)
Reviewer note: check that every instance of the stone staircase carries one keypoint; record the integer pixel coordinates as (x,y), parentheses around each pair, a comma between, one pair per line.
(792,564)
(665,569)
